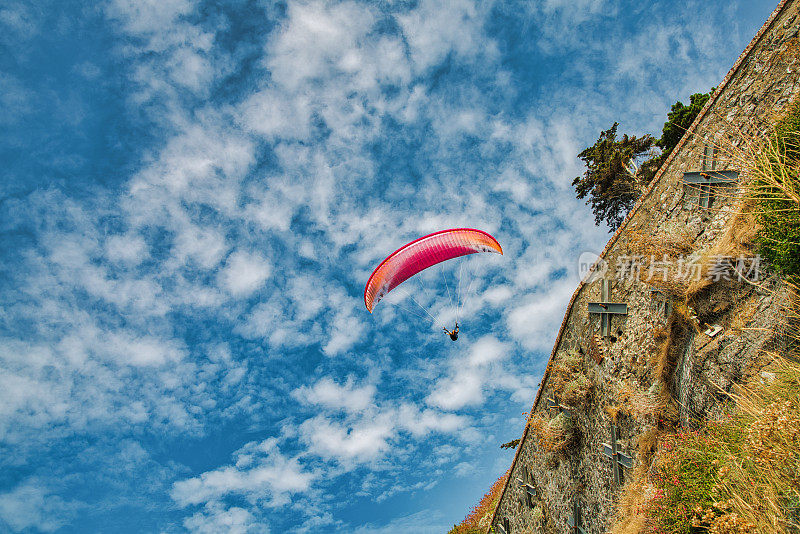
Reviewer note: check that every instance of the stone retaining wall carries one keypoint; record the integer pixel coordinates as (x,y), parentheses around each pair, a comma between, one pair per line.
(758,87)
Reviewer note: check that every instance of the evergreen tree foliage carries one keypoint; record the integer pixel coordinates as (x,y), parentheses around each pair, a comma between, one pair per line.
(679,119)
(608,181)
(511,444)
(611,181)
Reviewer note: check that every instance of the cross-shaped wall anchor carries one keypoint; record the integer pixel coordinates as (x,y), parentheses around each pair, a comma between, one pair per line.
(526,481)
(575,519)
(606,308)
(708,176)
(618,459)
(553,403)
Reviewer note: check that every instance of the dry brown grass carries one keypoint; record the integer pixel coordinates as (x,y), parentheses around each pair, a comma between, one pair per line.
(751,480)
(568,379)
(651,403)
(663,361)
(736,241)
(744,314)
(622,395)
(555,434)
(647,405)
(761,485)
(660,332)
(673,245)
(659,258)
(630,516)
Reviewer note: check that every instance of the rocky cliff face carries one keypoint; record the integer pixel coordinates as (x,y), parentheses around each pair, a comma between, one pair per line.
(695,320)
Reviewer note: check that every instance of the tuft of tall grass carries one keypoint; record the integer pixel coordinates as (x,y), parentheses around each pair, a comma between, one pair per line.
(568,379)
(554,435)
(679,325)
(659,258)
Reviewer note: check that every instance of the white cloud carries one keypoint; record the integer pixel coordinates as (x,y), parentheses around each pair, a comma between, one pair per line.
(150,16)
(274,115)
(316,39)
(422,522)
(469,376)
(360,442)
(463,388)
(244,273)
(329,394)
(120,347)
(344,332)
(30,505)
(576,11)
(233,520)
(422,422)
(130,249)
(370,431)
(486,350)
(464,469)
(190,69)
(262,473)
(498,295)
(434,30)
(535,321)
(19,19)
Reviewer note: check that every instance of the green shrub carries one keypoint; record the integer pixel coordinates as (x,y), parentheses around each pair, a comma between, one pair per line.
(776,188)
(685,479)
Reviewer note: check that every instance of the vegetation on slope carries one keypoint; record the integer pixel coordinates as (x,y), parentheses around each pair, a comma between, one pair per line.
(477,520)
(611,186)
(737,475)
(775,187)
(679,119)
(740,474)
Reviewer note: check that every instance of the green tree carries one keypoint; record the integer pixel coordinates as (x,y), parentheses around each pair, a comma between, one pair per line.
(612,180)
(679,119)
(511,444)
(609,182)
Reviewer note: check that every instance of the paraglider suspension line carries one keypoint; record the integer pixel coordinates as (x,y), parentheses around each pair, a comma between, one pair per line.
(421,306)
(409,310)
(458,292)
(445,284)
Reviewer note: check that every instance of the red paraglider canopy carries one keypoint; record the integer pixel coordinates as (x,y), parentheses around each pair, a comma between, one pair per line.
(422,253)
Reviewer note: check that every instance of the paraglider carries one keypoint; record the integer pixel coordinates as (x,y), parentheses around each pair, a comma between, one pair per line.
(452,333)
(422,253)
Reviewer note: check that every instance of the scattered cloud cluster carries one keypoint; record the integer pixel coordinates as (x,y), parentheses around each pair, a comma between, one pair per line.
(210,188)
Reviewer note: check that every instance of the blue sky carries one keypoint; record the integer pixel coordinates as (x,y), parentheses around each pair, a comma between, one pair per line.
(193,194)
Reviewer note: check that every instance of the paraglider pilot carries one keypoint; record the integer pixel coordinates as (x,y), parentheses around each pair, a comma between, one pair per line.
(453,334)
